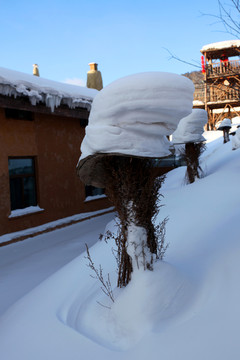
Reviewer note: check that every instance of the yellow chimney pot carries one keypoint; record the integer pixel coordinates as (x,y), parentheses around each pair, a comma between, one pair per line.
(35,70)
(94,77)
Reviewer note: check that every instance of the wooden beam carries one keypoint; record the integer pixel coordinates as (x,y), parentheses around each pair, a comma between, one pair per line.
(23,103)
(221,105)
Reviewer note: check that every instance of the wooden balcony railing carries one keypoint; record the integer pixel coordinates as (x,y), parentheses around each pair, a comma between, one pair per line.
(199,93)
(216,94)
(231,67)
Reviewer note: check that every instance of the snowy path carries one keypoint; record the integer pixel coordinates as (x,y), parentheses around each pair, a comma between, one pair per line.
(26,264)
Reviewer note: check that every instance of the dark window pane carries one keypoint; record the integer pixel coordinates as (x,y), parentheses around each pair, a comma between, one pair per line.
(16,193)
(92,191)
(18,114)
(29,191)
(22,183)
(20,166)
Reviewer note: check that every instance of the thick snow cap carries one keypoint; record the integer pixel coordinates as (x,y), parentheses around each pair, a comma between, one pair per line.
(226,123)
(190,128)
(132,116)
(38,89)
(221,45)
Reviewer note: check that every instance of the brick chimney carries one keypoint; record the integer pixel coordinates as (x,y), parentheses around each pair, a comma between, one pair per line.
(35,70)
(94,77)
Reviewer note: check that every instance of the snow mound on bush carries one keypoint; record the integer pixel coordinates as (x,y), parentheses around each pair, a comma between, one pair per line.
(226,123)
(190,128)
(134,114)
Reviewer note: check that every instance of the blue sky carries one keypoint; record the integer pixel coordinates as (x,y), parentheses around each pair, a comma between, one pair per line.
(123,37)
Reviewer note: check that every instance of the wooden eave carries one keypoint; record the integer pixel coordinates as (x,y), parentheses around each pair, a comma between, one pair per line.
(219,77)
(23,103)
(217,53)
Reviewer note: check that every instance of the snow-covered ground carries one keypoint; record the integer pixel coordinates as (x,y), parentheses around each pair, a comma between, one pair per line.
(25,264)
(187,308)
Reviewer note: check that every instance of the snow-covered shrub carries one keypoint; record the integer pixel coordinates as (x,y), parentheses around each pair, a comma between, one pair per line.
(190,128)
(189,132)
(225,126)
(128,127)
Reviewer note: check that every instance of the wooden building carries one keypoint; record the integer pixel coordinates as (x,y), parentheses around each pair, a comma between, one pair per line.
(42,124)
(220,95)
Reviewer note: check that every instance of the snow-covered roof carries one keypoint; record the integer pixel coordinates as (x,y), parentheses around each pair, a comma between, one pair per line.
(197,102)
(49,92)
(221,45)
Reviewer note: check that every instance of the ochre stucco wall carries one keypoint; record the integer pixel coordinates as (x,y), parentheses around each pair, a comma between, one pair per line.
(55,142)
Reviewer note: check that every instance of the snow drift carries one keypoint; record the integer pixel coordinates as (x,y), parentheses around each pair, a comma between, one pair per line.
(187,309)
(236,140)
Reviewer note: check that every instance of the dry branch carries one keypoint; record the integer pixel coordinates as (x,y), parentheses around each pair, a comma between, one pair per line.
(106,284)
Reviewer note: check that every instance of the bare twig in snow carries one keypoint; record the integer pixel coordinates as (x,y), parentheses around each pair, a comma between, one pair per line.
(106,284)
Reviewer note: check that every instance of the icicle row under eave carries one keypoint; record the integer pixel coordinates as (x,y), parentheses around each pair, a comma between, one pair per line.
(51,100)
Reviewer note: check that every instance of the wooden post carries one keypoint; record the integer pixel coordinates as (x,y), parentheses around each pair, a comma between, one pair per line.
(226,135)
(205,86)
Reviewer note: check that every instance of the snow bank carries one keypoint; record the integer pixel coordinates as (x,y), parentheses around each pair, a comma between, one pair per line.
(151,298)
(236,120)
(211,135)
(235,123)
(47,226)
(190,128)
(236,140)
(41,325)
(37,89)
(134,114)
